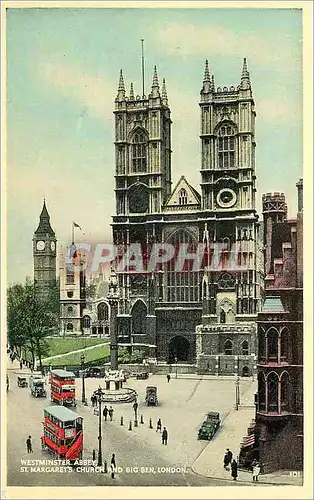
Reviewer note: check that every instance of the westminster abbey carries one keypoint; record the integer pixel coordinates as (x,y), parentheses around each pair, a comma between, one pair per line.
(205,313)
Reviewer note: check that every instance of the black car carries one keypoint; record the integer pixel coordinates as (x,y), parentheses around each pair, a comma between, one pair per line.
(94,371)
(142,376)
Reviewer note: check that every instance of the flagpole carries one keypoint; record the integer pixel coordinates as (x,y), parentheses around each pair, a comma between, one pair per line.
(72,233)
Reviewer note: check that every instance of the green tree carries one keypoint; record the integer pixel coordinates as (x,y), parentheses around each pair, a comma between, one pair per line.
(30,319)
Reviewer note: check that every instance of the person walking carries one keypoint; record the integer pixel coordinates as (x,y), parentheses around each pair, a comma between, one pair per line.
(113,465)
(110,411)
(158,425)
(256,469)
(105,413)
(29,444)
(234,469)
(8,383)
(135,407)
(21,365)
(227,458)
(164,436)
(168,377)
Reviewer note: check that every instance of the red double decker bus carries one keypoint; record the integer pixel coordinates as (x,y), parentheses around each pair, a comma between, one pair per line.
(63,433)
(63,387)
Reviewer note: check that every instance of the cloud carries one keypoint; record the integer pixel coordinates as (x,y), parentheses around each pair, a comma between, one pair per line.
(190,40)
(92,92)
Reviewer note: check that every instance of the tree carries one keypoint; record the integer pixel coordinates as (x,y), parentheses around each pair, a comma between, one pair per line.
(30,320)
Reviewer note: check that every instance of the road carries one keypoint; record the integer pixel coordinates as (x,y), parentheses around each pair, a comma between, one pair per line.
(139,448)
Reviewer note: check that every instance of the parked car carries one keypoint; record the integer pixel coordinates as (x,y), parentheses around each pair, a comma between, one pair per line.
(142,376)
(210,426)
(151,396)
(21,382)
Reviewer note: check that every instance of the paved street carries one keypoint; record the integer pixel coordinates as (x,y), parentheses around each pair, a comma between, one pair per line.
(183,404)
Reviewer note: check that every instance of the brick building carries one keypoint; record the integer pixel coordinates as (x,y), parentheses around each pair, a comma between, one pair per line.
(279,403)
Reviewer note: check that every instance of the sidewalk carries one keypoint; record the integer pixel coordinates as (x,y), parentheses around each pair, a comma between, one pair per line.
(210,461)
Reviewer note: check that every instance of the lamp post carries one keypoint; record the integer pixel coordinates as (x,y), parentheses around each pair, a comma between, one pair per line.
(83,379)
(99,393)
(113,299)
(176,362)
(237,393)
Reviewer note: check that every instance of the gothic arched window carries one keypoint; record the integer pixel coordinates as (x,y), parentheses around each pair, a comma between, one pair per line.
(284,345)
(139,312)
(139,152)
(285,391)
(226,147)
(272,392)
(70,309)
(102,312)
(228,347)
(182,278)
(70,327)
(272,345)
(261,392)
(245,348)
(86,322)
(183,199)
(261,346)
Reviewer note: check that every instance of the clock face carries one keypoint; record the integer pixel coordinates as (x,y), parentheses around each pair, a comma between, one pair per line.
(40,245)
(226,198)
(52,246)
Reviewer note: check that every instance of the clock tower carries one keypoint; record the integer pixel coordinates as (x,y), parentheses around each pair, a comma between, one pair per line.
(44,253)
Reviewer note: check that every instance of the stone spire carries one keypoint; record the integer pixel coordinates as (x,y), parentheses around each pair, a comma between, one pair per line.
(121,88)
(131,93)
(44,226)
(164,96)
(245,78)
(155,84)
(207,86)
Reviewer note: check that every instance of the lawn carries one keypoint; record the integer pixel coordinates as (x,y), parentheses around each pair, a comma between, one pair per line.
(64,345)
(91,355)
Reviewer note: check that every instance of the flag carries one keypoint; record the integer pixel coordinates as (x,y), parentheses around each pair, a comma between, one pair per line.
(76,225)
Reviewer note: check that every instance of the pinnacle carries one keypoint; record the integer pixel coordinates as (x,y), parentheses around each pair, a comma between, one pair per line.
(121,87)
(206,73)
(155,78)
(131,92)
(245,77)
(164,90)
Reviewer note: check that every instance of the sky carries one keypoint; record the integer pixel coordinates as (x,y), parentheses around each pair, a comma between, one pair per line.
(62,78)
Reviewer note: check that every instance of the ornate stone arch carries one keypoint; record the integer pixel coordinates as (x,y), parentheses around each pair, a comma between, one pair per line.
(139,315)
(272,336)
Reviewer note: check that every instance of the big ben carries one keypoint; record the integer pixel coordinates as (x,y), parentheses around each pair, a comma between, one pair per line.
(44,253)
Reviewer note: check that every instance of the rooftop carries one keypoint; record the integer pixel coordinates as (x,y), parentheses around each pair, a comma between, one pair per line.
(273,304)
(62,413)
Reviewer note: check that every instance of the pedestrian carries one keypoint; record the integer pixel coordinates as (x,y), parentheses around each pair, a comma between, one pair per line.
(158,425)
(29,444)
(113,465)
(135,407)
(105,413)
(110,411)
(256,469)
(8,383)
(21,365)
(164,436)
(234,469)
(168,377)
(92,400)
(227,458)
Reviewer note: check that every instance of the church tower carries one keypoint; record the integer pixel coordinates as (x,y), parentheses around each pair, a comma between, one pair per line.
(44,253)
(143,149)
(231,297)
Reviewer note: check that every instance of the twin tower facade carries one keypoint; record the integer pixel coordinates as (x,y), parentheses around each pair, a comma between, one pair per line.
(204,310)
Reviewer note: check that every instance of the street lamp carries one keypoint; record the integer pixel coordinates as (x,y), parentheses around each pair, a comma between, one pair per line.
(83,378)
(113,299)
(99,393)
(176,362)
(237,393)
